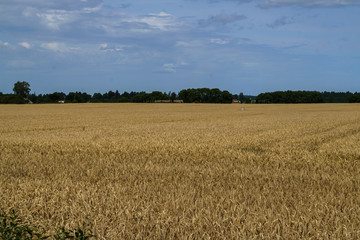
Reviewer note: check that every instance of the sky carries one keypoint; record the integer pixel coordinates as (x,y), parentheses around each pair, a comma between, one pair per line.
(249,46)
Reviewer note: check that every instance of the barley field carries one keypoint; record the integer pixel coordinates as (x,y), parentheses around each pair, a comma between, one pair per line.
(184,171)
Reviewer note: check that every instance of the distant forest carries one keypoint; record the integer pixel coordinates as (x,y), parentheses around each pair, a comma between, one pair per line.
(308,97)
(22,95)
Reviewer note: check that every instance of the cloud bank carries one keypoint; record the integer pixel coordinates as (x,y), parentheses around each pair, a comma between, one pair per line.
(195,43)
(309,3)
(302,3)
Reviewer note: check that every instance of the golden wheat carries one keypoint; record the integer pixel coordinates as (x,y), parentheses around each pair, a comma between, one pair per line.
(186,171)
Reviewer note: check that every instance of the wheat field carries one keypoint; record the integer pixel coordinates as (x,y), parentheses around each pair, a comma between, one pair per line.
(184,171)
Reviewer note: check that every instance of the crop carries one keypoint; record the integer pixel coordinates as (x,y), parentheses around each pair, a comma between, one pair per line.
(184,171)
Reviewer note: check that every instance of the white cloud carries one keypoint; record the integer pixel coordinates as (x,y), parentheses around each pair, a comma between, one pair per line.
(55,4)
(92,9)
(172,67)
(169,67)
(85,19)
(190,44)
(161,21)
(163,14)
(304,3)
(25,45)
(55,46)
(53,19)
(309,3)
(111,47)
(219,41)
(6,44)
(103,46)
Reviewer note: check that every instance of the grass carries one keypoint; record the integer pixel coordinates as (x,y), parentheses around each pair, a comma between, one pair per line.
(159,171)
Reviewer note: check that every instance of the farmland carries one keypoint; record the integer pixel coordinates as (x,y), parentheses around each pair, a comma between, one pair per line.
(189,171)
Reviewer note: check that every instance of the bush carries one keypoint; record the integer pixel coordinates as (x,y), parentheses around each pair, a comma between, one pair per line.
(13,228)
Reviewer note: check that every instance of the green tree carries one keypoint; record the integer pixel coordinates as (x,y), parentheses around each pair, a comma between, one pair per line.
(173,96)
(22,89)
(11,99)
(242,98)
(157,95)
(141,97)
(354,98)
(97,97)
(78,97)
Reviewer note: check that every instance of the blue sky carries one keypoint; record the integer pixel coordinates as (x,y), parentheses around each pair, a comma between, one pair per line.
(249,46)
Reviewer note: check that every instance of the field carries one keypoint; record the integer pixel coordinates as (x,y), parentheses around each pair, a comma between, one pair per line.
(184,171)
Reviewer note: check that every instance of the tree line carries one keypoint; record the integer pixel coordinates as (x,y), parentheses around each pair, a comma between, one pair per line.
(192,95)
(290,97)
(308,97)
(204,95)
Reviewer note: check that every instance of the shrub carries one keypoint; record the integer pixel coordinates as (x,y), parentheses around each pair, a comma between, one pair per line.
(13,228)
